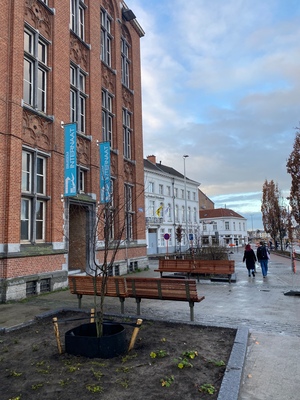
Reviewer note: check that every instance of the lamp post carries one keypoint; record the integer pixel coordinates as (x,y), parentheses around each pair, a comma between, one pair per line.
(185,200)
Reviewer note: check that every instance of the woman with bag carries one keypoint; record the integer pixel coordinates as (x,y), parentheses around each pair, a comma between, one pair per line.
(250,258)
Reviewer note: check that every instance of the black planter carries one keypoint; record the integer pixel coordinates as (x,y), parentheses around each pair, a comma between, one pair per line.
(83,341)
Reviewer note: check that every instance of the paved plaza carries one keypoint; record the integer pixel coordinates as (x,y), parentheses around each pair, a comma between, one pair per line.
(271,369)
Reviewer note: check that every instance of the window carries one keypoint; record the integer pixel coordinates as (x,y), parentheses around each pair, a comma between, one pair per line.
(77,97)
(128,212)
(227,226)
(240,227)
(168,211)
(176,192)
(160,189)
(151,187)
(33,202)
(182,193)
(169,190)
(151,208)
(127,132)
(195,215)
(35,70)
(204,226)
(233,226)
(182,214)
(162,239)
(81,180)
(215,227)
(106,37)
(125,63)
(176,213)
(111,212)
(107,116)
(188,195)
(189,214)
(194,196)
(171,237)
(77,8)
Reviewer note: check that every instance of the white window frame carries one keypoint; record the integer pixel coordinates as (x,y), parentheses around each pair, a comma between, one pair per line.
(176,213)
(125,63)
(107,117)
(106,37)
(78,97)
(77,17)
(35,70)
(151,187)
(34,199)
(128,196)
(127,134)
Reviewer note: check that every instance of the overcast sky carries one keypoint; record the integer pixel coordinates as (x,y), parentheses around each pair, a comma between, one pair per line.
(221,83)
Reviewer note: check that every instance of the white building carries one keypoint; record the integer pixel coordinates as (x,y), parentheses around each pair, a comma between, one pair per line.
(223,226)
(171,199)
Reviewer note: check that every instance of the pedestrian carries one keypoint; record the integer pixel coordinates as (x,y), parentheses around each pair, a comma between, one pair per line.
(263,256)
(250,258)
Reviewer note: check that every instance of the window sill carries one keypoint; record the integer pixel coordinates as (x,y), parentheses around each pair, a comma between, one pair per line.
(49,118)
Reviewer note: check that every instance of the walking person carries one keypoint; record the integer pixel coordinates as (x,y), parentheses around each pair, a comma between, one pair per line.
(263,256)
(250,258)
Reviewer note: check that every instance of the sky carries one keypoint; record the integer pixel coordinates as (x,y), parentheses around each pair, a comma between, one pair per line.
(221,83)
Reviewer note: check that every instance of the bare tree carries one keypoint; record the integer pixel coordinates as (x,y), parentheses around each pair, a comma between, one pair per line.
(293,168)
(109,229)
(179,236)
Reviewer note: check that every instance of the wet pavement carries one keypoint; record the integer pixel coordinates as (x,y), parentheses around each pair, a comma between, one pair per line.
(271,369)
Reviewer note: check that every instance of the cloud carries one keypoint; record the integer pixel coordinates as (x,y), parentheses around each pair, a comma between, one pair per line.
(221,83)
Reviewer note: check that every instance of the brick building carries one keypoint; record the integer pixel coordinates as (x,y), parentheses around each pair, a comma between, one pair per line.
(67,61)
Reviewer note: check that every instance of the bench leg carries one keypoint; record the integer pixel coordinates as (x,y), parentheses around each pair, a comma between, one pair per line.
(191,310)
(229,278)
(79,297)
(138,306)
(122,300)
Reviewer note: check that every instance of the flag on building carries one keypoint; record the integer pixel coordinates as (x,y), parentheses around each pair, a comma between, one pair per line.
(159,210)
(105,183)
(70,167)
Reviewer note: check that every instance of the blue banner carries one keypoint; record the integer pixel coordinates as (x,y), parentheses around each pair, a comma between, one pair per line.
(70,160)
(105,189)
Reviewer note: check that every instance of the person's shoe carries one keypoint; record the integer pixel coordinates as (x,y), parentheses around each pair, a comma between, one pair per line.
(253,274)
(249,275)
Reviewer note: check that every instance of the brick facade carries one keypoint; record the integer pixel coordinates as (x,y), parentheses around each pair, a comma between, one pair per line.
(64,232)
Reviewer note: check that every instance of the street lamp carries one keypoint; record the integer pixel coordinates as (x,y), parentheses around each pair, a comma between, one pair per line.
(185,200)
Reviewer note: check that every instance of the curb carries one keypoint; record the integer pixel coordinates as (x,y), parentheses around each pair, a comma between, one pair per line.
(232,379)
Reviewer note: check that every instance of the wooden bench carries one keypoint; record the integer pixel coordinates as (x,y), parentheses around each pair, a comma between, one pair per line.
(163,289)
(197,267)
(84,285)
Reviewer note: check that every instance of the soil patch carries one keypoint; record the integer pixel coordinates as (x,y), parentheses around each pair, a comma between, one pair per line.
(31,367)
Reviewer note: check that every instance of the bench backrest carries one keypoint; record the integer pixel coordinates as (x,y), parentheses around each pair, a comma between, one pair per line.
(115,287)
(215,265)
(182,265)
(189,265)
(162,288)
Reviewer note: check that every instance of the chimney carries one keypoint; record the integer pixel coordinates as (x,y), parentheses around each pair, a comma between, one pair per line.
(152,159)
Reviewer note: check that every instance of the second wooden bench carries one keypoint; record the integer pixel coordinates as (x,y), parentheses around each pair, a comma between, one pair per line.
(164,289)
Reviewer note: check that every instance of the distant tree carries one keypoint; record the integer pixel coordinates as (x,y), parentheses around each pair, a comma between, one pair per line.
(179,236)
(274,214)
(293,168)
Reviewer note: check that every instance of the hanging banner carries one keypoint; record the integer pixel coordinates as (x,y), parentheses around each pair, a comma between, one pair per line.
(70,160)
(105,189)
